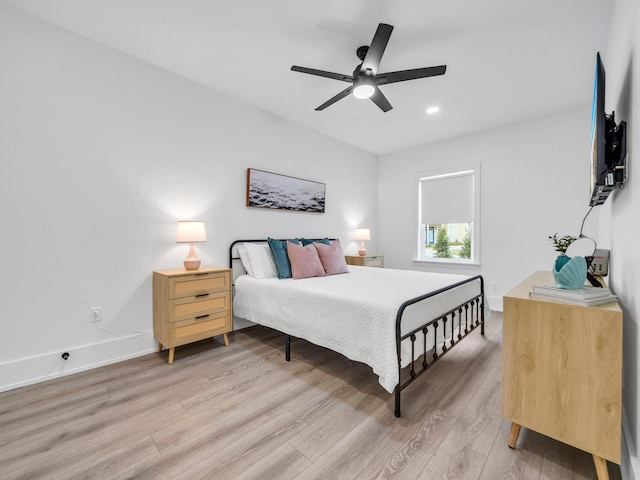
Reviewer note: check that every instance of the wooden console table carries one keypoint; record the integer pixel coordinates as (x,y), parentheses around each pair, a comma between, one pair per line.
(562,371)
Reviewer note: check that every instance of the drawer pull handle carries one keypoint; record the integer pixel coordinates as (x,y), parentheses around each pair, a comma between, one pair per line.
(201,317)
(202,295)
(203,273)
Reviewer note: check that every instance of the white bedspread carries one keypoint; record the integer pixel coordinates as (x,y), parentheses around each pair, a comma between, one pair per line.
(354,313)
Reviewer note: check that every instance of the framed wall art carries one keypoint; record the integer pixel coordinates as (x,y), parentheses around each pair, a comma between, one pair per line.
(281,192)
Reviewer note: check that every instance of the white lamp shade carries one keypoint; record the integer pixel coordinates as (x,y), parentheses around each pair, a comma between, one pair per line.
(191,232)
(363,234)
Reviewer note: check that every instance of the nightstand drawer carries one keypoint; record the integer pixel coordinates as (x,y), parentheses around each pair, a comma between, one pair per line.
(197,284)
(365,260)
(205,327)
(197,306)
(374,262)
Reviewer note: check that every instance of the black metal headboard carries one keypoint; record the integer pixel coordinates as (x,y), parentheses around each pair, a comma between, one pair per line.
(237,257)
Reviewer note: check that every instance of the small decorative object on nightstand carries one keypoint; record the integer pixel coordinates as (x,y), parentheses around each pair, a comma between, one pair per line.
(362,234)
(189,306)
(365,260)
(191,232)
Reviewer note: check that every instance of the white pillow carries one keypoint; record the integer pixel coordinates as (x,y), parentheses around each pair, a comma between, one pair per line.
(244,258)
(261,260)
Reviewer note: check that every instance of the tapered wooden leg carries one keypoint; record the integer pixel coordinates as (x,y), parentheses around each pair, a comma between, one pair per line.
(513,435)
(226,339)
(171,352)
(159,347)
(601,468)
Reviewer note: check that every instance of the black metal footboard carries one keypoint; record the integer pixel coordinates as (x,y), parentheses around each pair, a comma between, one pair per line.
(458,322)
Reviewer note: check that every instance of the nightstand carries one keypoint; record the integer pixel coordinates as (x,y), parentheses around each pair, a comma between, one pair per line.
(365,260)
(191,305)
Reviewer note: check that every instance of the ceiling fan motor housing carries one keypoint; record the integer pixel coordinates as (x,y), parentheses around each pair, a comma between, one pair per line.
(364,84)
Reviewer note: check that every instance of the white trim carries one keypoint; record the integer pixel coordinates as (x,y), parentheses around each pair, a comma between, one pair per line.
(445,262)
(39,368)
(495,303)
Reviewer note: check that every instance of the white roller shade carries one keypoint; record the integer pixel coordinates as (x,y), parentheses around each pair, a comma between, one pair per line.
(447,199)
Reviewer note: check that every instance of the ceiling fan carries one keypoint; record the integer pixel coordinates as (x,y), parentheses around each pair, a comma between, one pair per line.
(366,79)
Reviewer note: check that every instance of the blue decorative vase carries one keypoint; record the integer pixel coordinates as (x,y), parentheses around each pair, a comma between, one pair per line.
(570,272)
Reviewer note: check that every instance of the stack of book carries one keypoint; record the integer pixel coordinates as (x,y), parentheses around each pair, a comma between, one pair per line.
(586,296)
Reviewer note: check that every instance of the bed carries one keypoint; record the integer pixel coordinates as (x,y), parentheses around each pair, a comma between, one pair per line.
(388,319)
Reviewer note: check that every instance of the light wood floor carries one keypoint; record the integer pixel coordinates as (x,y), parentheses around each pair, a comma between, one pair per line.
(242,412)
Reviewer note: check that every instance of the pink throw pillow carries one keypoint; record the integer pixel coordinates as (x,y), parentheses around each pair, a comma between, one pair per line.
(332,257)
(305,261)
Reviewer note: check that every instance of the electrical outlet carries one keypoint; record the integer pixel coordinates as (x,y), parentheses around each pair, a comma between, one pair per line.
(495,287)
(95,314)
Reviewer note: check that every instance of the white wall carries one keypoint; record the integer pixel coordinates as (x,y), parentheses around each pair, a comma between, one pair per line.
(101,155)
(619,216)
(534,183)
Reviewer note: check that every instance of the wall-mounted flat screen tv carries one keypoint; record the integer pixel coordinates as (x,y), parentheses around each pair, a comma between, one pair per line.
(608,144)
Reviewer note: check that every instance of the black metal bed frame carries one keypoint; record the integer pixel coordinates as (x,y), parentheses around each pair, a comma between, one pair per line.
(472,310)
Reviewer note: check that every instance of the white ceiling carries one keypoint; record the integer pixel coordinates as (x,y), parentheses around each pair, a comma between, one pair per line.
(507,60)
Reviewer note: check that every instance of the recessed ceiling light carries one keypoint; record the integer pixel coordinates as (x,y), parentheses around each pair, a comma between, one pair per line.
(432,110)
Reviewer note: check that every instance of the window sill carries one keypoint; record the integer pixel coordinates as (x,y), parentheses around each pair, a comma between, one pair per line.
(446,263)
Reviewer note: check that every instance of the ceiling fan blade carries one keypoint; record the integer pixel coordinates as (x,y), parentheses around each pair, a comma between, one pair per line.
(376,49)
(322,73)
(335,98)
(403,75)
(380,100)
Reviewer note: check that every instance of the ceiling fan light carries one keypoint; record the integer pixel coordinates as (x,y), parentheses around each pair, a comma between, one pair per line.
(364,90)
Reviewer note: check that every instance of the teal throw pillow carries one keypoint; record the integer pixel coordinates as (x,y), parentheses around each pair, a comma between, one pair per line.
(280,256)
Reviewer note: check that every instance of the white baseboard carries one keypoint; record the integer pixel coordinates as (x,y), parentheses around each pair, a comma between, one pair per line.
(495,303)
(39,368)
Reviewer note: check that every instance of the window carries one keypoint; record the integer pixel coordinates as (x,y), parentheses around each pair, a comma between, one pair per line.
(448,217)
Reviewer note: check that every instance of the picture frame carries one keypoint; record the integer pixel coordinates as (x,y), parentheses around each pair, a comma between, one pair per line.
(282,192)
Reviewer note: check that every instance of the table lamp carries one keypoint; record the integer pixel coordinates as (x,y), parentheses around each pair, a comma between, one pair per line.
(191,232)
(362,234)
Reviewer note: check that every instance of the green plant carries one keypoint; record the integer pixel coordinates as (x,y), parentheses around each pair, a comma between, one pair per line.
(465,252)
(442,244)
(561,243)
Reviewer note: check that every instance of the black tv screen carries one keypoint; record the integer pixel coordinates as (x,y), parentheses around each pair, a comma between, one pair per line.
(598,138)
(608,144)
